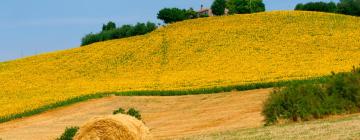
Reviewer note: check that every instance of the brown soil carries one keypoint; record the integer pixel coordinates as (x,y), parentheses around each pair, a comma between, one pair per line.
(167,117)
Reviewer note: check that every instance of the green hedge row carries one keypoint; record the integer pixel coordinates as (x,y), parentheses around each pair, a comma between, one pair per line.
(69,133)
(340,94)
(347,7)
(162,93)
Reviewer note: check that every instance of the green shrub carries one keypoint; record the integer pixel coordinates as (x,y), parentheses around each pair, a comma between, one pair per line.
(295,102)
(302,102)
(346,86)
(132,112)
(135,113)
(120,110)
(203,15)
(69,133)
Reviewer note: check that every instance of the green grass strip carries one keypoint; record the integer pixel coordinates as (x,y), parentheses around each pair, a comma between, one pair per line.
(213,90)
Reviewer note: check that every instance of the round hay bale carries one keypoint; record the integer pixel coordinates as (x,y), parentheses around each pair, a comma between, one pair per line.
(114,127)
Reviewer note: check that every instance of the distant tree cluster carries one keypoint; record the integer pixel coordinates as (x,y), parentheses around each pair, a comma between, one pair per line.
(347,7)
(245,6)
(109,26)
(109,31)
(170,15)
(237,6)
(317,6)
(218,8)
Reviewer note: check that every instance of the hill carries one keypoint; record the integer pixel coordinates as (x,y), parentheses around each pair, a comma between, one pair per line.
(201,53)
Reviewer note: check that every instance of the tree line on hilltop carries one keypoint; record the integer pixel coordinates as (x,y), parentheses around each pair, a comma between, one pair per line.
(170,15)
(218,8)
(110,31)
(347,7)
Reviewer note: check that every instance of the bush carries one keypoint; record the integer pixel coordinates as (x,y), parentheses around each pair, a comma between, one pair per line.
(69,133)
(203,15)
(111,32)
(317,6)
(132,112)
(346,86)
(295,102)
(245,6)
(302,102)
(120,110)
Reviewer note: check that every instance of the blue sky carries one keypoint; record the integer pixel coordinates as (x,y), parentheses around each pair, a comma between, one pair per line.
(29,27)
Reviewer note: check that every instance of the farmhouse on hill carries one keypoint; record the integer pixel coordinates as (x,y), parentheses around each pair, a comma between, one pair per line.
(207,11)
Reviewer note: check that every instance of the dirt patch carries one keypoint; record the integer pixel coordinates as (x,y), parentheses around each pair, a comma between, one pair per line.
(167,117)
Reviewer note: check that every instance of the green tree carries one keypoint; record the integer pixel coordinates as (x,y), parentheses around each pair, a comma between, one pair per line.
(218,7)
(245,6)
(191,14)
(89,38)
(299,6)
(170,15)
(150,26)
(349,7)
(139,29)
(109,26)
(126,30)
(256,6)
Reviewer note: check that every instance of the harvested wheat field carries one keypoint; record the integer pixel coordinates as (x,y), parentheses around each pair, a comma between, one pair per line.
(167,117)
(338,128)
